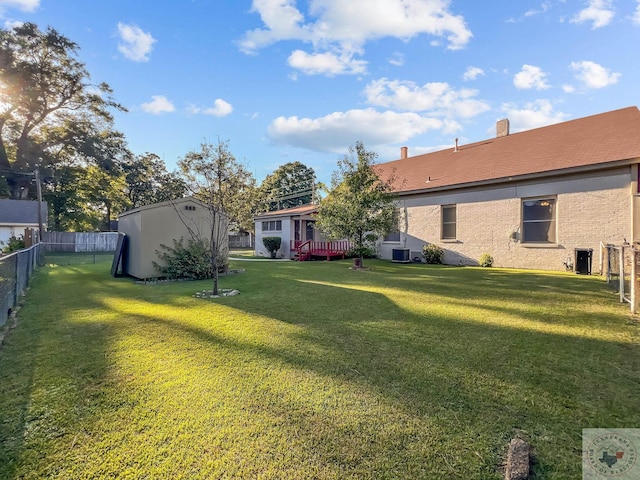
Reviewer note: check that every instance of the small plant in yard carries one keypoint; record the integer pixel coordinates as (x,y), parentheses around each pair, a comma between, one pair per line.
(486,260)
(12,245)
(191,261)
(272,244)
(432,253)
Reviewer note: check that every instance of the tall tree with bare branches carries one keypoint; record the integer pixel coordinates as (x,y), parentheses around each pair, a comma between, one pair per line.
(216,178)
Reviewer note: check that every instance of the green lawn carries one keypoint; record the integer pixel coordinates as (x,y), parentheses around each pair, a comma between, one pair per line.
(313,371)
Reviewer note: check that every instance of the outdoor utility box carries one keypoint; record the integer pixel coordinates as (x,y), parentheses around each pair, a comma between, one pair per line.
(401,255)
(583,260)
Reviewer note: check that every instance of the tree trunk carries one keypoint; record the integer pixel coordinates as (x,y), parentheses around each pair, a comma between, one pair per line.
(214,264)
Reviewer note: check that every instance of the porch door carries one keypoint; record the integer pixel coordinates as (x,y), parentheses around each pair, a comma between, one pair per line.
(309,231)
(296,229)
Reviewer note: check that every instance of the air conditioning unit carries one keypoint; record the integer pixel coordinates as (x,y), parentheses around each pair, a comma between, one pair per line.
(401,255)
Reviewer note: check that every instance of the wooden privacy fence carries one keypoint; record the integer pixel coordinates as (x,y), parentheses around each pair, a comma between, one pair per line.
(620,264)
(80,241)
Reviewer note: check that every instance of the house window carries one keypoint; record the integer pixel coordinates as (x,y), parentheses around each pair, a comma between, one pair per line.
(448,222)
(394,234)
(272,226)
(190,208)
(539,220)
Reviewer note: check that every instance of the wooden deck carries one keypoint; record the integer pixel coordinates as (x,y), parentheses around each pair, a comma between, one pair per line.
(308,250)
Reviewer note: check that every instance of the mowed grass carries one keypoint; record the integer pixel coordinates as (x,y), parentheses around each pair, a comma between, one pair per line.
(313,371)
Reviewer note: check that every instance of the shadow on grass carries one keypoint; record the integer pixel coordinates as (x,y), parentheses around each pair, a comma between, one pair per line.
(473,377)
(473,383)
(48,368)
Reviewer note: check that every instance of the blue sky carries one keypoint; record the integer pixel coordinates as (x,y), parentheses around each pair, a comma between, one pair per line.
(286,80)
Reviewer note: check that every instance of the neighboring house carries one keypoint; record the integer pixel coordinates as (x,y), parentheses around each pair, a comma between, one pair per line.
(149,227)
(16,215)
(290,224)
(533,199)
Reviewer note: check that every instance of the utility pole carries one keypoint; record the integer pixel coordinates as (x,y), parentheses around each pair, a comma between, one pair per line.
(39,188)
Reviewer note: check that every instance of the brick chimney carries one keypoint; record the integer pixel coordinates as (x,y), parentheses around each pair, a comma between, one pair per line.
(404,152)
(502,127)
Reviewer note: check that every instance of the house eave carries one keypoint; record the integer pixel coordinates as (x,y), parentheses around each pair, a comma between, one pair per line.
(524,177)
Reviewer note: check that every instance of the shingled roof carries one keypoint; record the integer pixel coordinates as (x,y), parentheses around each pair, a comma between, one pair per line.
(300,210)
(21,212)
(598,141)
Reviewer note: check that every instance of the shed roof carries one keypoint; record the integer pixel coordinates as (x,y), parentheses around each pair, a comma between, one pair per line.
(21,212)
(588,143)
(168,203)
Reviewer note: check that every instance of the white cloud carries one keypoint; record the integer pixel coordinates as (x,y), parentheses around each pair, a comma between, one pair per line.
(437,98)
(543,8)
(593,75)
(533,115)
(568,88)
(599,12)
(330,26)
(159,104)
(22,5)
(397,59)
(338,130)
(636,15)
(11,24)
(328,63)
(530,77)
(472,73)
(136,44)
(221,108)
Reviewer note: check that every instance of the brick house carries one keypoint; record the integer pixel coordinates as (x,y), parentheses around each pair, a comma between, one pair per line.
(532,199)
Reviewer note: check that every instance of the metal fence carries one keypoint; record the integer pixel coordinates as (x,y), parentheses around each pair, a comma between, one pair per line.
(16,270)
(620,264)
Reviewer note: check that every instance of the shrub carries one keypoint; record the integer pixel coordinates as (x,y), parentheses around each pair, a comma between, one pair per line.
(13,245)
(366,251)
(192,261)
(432,253)
(272,244)
(486,260)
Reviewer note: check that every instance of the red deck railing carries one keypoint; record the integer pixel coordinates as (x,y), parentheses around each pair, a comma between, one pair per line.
(309,248)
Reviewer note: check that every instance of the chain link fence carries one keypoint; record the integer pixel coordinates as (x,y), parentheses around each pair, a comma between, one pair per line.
(16,270)
(620,264)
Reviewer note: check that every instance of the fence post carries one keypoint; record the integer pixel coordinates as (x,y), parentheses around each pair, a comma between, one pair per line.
(621,277)
(634,286)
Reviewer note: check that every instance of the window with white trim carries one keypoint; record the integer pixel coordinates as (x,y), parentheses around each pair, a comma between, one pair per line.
(272,226)
(448,215)
(539,220)
(394,234)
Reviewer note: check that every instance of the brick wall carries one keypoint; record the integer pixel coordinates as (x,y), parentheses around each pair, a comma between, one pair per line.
(589,209)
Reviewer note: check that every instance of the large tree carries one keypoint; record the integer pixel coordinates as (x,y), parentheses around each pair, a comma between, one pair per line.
(291,185)
(360,206)
(148,181)
(47,100)
(227,187)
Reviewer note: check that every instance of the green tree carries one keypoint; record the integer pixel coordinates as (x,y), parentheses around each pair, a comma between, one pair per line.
(46,100)
(291,185)
(84,181)
(227,188)
(360,206)
(148,181)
